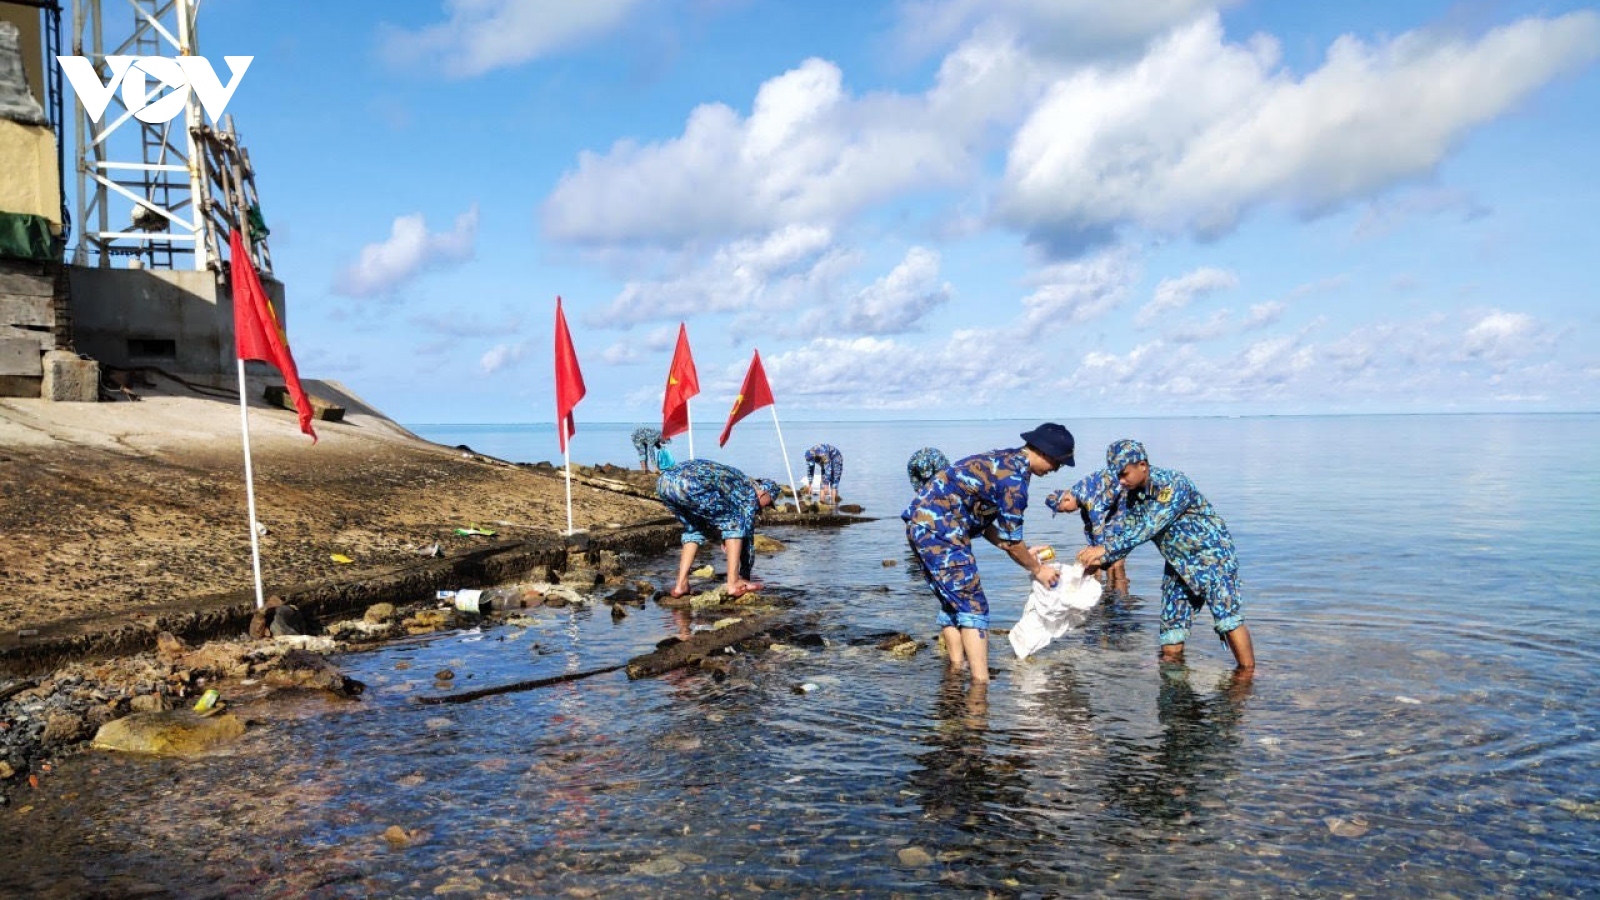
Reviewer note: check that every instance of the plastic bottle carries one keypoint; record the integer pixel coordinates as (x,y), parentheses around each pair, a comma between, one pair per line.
(469,600)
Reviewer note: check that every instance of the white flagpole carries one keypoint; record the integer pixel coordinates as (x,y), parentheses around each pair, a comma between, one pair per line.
(785,451)
(688,416)
(250,486)
(566,454)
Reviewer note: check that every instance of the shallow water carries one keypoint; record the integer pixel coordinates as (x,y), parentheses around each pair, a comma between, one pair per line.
(1421,722)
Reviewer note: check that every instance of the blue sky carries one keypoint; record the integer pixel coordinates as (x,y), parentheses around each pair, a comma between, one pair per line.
(932,209)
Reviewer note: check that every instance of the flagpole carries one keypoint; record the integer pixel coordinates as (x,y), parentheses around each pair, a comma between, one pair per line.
(786,464)
(688,416)
(566,454)
(250,485)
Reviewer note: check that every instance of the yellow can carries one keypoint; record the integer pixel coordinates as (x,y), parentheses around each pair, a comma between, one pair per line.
(1046,554)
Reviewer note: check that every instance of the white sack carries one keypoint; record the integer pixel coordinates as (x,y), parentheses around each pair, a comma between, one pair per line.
(1052,612)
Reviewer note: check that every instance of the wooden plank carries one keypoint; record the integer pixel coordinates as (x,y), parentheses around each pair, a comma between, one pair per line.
(701,645)
(26,284)
(45,339)
(20,356)
(20,310)
(529,685)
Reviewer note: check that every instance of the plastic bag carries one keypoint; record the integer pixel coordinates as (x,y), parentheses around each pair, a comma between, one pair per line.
(1052,612)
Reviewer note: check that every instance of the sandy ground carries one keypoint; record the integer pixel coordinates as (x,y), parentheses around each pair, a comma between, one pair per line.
(115,510)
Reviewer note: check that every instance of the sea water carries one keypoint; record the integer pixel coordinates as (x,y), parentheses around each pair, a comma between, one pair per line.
(1421,591)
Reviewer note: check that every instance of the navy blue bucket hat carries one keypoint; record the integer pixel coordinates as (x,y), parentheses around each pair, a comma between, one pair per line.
(1053,440)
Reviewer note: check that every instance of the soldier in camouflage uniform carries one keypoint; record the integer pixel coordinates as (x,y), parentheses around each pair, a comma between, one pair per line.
(1163,506)
(979,495)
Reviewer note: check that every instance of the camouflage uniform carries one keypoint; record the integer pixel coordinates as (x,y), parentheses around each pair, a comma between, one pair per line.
(827,458)
(1202,568)
(643,440)
(1100,503)
(962,501)
(709,497)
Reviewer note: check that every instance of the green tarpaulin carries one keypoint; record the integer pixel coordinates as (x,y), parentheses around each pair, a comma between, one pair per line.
(25,237)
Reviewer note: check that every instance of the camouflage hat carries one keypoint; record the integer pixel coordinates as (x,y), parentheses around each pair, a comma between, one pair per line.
(1122,454)
(767,485)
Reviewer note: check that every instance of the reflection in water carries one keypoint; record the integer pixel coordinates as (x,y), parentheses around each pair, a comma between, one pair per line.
(1198,747)
(964,781)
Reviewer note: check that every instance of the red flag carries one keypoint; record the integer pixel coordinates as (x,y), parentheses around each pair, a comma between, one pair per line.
(569,379)
(753,394)
(257,333)
(682,383)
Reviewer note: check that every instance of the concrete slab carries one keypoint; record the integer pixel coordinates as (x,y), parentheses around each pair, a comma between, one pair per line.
(68,378)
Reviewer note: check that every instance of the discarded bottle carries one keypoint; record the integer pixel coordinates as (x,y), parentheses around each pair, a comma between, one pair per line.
(471,600)
(207,701)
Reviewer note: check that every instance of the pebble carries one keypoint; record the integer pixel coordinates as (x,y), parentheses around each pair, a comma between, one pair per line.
(1353,827)
(661,865)
(915,857)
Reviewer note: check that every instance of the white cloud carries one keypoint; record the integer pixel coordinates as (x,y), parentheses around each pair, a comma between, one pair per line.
(657,344)
(482,35)
(1195,332)
(777,272)
(1199,130)
(1067,28)
(1071,293)
(1437,360)
(809,153)
(1173,294)
(410,250)
(1434,361)
(502,355)
(967,370)
(1499,337)
(1262,315)
(896,302)
(1385,214)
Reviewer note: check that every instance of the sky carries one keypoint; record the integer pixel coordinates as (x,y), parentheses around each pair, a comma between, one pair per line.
(932,208)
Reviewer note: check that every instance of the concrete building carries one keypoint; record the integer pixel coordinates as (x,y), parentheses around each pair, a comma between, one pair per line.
(146,287)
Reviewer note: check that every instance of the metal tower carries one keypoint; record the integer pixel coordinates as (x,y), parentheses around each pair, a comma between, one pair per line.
(163,194)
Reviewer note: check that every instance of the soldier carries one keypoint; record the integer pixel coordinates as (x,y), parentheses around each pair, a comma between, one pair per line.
(648,441)
(1098,499)
(979,495)
(829,462)
(1202,569)
(707,497)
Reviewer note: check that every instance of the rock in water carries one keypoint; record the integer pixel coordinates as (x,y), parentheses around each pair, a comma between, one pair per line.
(177,732)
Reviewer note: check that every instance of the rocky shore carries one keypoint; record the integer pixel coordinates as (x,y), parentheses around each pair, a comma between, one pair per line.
(125,572)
